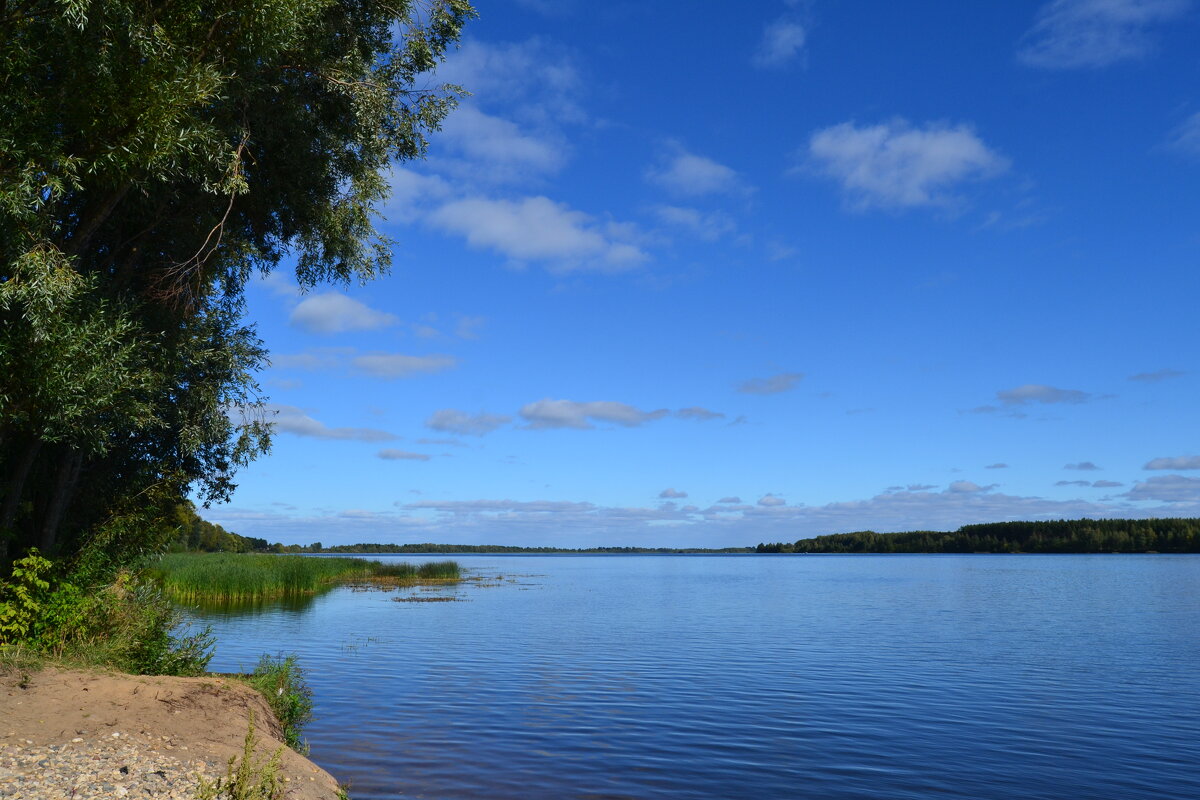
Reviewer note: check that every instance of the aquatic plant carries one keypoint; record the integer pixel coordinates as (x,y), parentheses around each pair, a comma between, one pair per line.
(245,577)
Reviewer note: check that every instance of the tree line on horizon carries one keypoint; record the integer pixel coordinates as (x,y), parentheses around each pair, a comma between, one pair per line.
(1169,535)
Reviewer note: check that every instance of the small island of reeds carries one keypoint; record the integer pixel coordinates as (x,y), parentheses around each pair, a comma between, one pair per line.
(252,577)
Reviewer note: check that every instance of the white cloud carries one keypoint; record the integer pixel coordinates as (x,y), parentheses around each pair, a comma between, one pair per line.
(533,79)
(685,173)
(1075,34)
(1106,484)
(1167,489)
(729,522)
(539,229)
(278,283)
(699,414)
(398,365)
(1082,466)
(1175,462)
(707,227)
(894,165)
(466,327)
(334,312)
(314,359)
(290,419)
(771,501)
(1040,393)
(1185,138)
(968,487)
(671,494)
(1157,375)
(401,455)
(781,41)
(411,193)
(496,149)
(501,506)
(775,384)
(451,420)
(547,414)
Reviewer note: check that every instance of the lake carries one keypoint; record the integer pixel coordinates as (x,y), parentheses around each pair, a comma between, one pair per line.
(755,677)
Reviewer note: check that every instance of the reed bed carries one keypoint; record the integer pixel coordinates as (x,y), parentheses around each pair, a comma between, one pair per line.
(249,577)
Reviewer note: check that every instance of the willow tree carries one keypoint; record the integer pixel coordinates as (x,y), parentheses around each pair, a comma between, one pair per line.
(154,155)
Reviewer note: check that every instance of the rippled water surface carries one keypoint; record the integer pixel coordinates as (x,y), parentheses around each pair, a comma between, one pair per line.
(756,677)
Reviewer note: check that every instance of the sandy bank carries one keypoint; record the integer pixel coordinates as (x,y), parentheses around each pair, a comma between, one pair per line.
(69,734)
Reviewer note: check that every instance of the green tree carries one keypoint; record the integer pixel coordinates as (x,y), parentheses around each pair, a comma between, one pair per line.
(154,155)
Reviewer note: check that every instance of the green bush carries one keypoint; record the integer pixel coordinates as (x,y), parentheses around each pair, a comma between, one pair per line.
(281,680)
(127,624)
(23,597)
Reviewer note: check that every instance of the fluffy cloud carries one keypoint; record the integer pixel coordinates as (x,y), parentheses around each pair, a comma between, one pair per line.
(1185,139)
(1106,484)
(575,524)
(771,501)
(781,41)
(1039,393)
(688,174)
(412,193)
(1082,466)
(894,165)
(1156,376)
(539,229)
(734,499)
(495,148)
(1167,489)
(334,312)
(1075,34)
(968,487)
(534,80)
(671,494)
(547,414)
(290,419)
(401,455)
(706,226)
(398,365)
(451,420)
(775,384)
(1175,462)
(315,359)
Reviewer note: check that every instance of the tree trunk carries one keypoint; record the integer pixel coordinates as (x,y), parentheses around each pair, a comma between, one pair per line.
(64,489)
(14,491)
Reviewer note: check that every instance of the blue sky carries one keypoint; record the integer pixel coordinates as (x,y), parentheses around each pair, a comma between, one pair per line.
(690,274)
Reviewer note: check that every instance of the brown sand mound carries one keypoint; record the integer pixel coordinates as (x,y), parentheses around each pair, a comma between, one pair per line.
(74,734)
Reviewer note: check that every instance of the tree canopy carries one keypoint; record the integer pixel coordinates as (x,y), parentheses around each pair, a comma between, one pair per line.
(154,156)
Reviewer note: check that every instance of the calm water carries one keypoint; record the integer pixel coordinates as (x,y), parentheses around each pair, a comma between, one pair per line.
(757,677)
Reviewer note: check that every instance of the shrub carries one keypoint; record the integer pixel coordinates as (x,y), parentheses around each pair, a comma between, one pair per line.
(281,680)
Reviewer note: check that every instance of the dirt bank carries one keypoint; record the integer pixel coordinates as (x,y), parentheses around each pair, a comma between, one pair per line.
(69,734)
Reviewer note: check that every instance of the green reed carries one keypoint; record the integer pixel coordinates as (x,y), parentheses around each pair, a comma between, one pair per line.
(246,577)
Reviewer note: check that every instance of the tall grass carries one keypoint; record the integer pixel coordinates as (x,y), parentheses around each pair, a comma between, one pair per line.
(242,577)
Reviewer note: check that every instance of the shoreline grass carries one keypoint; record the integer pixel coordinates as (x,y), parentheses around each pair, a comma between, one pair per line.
(250,577)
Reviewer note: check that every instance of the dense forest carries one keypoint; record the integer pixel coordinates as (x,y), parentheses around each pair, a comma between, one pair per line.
(1054,536)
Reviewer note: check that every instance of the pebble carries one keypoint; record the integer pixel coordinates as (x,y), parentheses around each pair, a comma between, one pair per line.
(121,765)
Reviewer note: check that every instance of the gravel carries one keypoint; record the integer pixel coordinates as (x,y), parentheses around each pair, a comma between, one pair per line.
(132,766)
